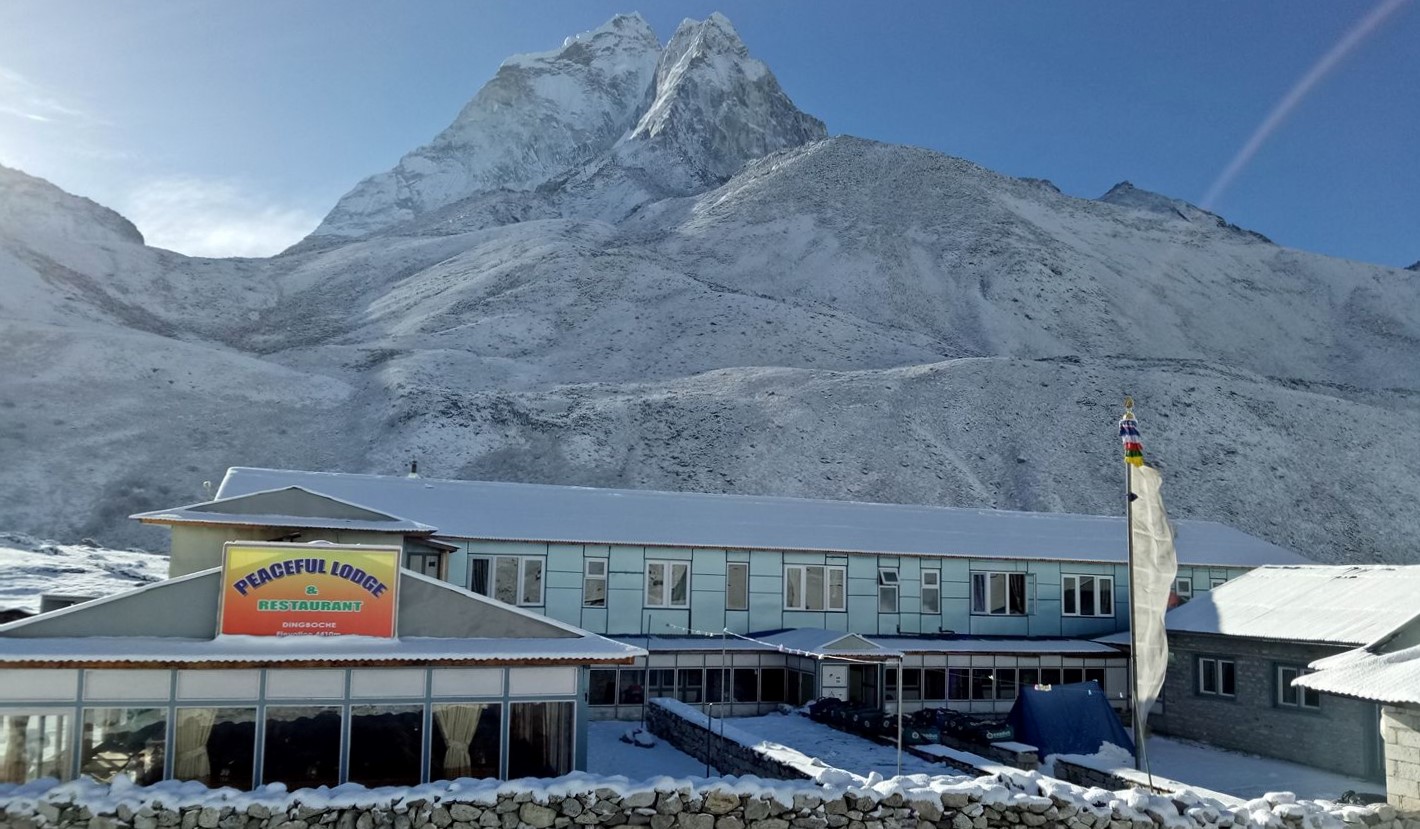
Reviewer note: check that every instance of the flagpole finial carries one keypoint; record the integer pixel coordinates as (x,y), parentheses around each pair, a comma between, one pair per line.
(1128,404)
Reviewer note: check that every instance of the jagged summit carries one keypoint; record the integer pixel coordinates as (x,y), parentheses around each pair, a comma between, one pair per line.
(609,112)
(1125,194)
(1414,267)
(31,207)
(540,115)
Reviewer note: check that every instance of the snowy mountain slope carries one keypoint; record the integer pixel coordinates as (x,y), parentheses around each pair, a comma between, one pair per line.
(30,567)
(838,318)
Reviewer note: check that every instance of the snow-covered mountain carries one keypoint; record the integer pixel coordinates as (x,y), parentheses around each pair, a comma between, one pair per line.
(641,266)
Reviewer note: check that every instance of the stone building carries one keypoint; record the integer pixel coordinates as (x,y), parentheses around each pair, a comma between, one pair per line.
(1236,652)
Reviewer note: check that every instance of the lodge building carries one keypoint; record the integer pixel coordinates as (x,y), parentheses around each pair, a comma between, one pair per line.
(532,609)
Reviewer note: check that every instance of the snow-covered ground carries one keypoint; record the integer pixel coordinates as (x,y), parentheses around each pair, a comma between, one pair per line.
(30,566)
(607,754)
(834,747)
(1246,775)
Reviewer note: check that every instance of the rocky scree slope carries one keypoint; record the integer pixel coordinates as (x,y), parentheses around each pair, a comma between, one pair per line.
(696,289)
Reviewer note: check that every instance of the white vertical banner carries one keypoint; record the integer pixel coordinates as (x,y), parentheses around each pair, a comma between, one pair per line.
(1154,571)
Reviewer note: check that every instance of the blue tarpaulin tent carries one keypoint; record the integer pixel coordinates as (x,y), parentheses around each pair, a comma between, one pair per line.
(1067,719)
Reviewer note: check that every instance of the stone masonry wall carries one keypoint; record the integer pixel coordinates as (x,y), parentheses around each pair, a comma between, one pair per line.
(1400,727)
(1342,736)
(726,755)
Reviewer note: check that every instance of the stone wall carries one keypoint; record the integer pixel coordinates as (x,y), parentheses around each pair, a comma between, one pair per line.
(726,755)
(1400,727)
(1341,736)
(1004,802)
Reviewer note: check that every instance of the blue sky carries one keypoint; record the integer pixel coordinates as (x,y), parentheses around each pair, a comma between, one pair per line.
(227,128)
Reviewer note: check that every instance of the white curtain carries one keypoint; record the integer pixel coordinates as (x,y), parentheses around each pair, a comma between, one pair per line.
(1155,567)
(458,724)
(194,728)
(13,764)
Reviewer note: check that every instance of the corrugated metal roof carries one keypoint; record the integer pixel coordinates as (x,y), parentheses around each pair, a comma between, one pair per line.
(209,512)
(539,512)
(1379,677)
(1342,605)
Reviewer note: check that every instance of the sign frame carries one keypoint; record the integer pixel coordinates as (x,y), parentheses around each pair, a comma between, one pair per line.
(309,550)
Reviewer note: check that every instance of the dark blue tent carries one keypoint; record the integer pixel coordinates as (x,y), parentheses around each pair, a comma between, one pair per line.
(1067,719)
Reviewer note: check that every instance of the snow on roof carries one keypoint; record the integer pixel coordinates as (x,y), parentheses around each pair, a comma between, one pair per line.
(910,644)
(822,642)
(1378,677)
(814,639)
(336,649)
(203,513)
(1344,605)
(539,512)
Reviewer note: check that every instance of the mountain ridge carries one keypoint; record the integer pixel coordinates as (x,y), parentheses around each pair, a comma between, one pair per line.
(835,317)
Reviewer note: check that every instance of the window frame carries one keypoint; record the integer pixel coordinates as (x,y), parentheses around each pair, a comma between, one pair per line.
(889,584)
(1301,694)
(934,589)
(1097,581)
(520,588)
(829,570)
(588,577)
(1217,663)
(1179,588)
(1027,599)
(667,590)
(736,605)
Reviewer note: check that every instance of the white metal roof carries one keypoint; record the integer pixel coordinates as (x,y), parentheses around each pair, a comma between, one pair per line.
(1379,677)
(265,649)
(539,512)
(203,512)
(1343,605)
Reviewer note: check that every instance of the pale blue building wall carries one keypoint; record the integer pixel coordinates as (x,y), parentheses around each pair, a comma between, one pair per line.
(626,612)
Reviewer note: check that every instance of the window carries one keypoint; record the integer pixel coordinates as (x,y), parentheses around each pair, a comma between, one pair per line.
(540,739)
(662,682)
(1183,589)
(911,684)
(958,683)
(1293,697)
(385,744)
(983,683)
(887,590)
(667,584)
(998,594)
(1217,677)
(737,586)
(1217,581)
(771,685)
(130,740)
(1005,683)
(1087,595)
(601,686)
(302,746)
(691,685)
(594,583)
(814,587)
(467,740)
(934,683)
(35,745)
(1097,676)
(426,564)
(932,591)
(1030,677)
(746,685)
(509,579)
(631,687)
(215,746)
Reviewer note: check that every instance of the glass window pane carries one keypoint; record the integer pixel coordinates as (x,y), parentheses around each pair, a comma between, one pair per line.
(998,593)
(1106,600)
(478,576)
(746,685)
(1005,683)
(1073,675)
(793,588)
(1049,676)
(690,685)
(737,586)
(215,746)
(532,581)
(594,591)
(1018,594)
(662,682)
(34,745)
(912,684)
(983,683)
(596,567)
(466,741)
(958,683)
(771,687)
(540,739)
(836,600)
(1208,676)
(814,589)
(1030,677)
(978,592)
(1087,596)
(1225,677)
(124,740)
(1096,674)
(1069,590)
(505,581)
(385,744)
(714,681)
(934,683)
(655,584)
(631,687)
(601,687)
(680,585)
(302,746)
(887,599)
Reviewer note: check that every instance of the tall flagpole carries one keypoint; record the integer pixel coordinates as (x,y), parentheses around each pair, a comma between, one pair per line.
(1141,761)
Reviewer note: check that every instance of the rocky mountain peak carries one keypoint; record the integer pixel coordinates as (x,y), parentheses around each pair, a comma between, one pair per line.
(1414,267)
(33,209)
(1125,194)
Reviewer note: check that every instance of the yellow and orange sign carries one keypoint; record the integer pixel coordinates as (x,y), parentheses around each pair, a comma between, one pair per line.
(272,589)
